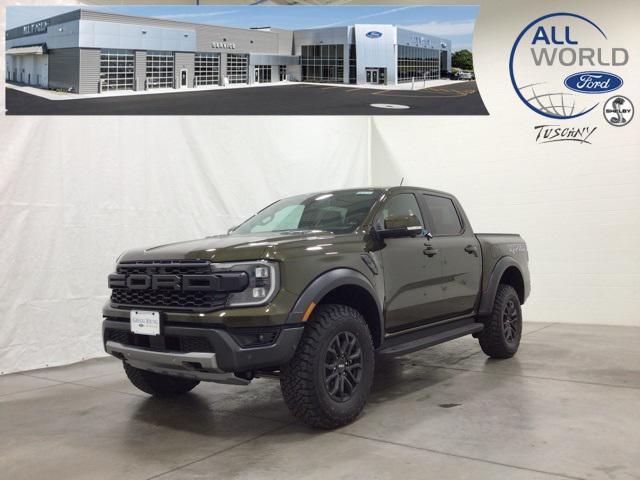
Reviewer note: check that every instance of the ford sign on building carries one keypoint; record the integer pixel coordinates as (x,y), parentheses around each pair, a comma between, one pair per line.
(89,52)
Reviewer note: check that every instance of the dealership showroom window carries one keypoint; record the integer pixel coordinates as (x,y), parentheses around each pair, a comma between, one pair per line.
(348,296)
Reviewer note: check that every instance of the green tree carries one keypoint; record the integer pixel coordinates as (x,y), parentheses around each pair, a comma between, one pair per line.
(462,59)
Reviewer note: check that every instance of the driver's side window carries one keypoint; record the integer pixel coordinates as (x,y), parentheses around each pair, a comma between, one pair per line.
(401,204)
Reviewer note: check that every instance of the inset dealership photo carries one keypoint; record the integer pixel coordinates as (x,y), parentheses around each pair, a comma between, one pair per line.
(210,60)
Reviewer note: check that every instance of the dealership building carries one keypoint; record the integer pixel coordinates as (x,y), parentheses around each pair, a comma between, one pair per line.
(85,51)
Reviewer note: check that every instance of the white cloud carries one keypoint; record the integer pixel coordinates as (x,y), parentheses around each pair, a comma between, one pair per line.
(444,29)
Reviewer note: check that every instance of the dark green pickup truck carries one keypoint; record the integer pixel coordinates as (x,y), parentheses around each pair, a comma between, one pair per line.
(308,290)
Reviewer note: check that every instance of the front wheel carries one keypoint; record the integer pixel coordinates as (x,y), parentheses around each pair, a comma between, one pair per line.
(327,382)
(500,337)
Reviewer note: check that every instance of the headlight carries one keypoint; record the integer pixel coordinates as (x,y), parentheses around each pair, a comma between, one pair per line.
(264,281)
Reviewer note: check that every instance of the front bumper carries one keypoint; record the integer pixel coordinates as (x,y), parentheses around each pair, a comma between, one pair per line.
(220,354)
(199,366)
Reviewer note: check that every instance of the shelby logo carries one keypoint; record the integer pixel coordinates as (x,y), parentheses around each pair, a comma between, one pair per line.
(593,82)
(373,34)
(557,133)
(544,60)
(618,111)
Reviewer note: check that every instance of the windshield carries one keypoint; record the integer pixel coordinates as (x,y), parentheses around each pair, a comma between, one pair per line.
(338,212)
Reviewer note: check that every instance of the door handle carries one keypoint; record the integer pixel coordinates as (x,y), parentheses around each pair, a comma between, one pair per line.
(471,249)
(430,251)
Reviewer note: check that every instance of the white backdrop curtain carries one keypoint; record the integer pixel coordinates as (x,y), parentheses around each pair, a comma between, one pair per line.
(76,192)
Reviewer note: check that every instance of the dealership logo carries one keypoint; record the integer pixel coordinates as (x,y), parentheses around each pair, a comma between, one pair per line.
(618,111)
(373,34)
(559,133)
(593,82)
(34,28)
(544,60)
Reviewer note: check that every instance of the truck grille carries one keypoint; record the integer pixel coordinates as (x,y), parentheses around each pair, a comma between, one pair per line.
(175,267)
(167,299)
(174,343)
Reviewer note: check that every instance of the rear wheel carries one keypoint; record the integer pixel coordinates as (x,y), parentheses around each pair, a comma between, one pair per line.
(327,382)
(500,337)
(158,384)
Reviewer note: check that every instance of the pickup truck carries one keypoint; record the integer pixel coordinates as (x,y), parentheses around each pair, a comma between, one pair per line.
(309,290)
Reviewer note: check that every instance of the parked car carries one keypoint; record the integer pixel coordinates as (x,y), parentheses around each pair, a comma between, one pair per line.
(466,75)
(308,289)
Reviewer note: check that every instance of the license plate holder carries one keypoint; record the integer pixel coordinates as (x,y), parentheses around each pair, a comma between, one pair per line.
(145,322)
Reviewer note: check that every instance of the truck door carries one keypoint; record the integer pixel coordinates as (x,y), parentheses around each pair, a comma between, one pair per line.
(411,277)
(460,250)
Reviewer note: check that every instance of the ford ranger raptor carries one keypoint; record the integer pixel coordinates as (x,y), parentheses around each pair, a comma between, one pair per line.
(309,290)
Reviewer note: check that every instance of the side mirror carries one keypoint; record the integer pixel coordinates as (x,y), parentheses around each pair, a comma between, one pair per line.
(400,226)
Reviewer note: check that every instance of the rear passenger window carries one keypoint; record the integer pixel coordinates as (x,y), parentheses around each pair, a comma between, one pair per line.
(445,217)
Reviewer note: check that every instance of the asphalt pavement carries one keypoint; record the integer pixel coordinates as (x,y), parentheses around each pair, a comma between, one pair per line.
(297,99)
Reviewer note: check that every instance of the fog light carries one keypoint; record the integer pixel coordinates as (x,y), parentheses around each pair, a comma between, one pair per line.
(253,338)
(259,292)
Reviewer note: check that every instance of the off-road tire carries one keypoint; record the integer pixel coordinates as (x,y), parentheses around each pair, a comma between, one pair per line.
(303,379)
(493,339)
(158,384)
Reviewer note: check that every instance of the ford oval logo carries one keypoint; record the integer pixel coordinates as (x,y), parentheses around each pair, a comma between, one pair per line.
(593,82)
(374,34)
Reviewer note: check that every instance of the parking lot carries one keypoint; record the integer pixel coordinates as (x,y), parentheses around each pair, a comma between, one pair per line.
(298,99)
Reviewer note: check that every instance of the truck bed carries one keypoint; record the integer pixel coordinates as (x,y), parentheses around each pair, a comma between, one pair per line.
(498,245)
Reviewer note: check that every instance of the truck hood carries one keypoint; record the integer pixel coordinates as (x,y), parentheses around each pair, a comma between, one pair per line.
(233,247)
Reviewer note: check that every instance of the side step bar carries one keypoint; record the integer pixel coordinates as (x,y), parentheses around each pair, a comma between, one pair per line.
(428,337)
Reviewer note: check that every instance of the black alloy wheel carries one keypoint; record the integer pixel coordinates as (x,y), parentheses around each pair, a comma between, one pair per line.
(500,337)
(327,381)
(510,322)
(343,366)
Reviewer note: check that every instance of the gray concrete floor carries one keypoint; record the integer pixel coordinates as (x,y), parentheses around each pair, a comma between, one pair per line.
(567,406)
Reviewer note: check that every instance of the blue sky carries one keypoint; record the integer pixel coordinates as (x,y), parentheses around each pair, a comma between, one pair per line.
(452,21)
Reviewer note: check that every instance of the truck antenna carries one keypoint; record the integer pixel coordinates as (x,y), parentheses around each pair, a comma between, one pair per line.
(401,181)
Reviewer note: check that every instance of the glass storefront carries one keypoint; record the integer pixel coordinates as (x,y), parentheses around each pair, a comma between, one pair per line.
(159,69)
(116,69)
(263,73)
(237,68)
(418,63)
(352,64)
(207,69)
(323,63)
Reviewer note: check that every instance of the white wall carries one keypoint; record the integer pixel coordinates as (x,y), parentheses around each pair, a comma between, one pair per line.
(76,192)
(578,210)
(577,205)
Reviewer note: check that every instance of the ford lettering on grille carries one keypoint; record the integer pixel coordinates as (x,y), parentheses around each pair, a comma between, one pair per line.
(230,282)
